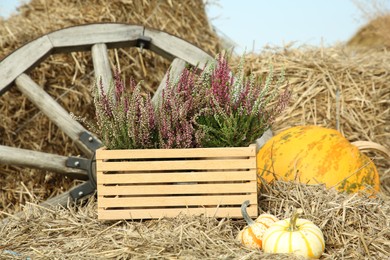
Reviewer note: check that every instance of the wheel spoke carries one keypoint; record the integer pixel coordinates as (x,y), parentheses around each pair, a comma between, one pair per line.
(39,160)
(101,65)
(55,112)
(176,68)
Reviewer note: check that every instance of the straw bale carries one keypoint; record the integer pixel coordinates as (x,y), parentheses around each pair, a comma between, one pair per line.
(318,75)
(375,34)
(354,227)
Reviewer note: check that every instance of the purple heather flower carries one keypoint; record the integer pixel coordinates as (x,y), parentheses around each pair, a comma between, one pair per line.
(104,101)
(221,82)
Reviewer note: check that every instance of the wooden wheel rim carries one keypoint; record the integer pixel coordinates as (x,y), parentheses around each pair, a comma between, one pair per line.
(96,38)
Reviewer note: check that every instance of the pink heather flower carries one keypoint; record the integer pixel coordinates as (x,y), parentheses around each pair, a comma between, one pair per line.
(221,82)
(176,112)
(104,101)
(119,85)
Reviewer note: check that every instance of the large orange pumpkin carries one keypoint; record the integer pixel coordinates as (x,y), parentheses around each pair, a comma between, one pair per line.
(313,154)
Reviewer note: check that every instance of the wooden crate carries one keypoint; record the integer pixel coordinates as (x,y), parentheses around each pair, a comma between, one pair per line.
(155,183)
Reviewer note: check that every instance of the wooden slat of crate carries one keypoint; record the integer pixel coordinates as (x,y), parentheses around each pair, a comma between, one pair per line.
(209,188)
(178,201)
(163,177)
(176,153)
(178,165)
(233,212)
(134,184)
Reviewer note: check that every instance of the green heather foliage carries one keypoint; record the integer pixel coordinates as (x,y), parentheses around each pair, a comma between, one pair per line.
(209,107)
(238,108)
(125,119)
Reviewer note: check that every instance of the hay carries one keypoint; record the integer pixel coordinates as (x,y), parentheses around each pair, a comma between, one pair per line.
(375,34)
(355,227)
(318,75)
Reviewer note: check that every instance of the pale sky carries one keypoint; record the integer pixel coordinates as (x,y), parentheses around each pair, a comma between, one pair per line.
(7,7)
(278,22)
(256,23)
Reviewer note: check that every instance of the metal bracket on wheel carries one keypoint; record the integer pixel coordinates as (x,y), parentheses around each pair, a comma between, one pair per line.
(80,163)
(88,165)
(90,141)
(83,190)
(89,186)
(143,42)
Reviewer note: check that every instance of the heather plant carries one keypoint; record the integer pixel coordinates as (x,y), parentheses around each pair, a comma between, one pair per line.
(209,107)
(179,105)
(125,118)
(239,108)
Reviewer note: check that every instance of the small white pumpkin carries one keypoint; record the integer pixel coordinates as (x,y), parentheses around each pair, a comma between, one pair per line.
(294,235)
(251,236)
(266,219)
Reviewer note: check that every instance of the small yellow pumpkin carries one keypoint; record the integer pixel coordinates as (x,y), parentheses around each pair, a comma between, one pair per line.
(251,236)
(313,154)
(296,236)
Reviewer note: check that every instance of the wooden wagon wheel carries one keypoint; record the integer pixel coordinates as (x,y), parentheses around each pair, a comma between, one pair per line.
(96,38)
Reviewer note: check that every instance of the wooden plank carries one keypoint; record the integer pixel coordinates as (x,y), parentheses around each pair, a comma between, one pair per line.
(101,65)
(216,164)
(82,37)
(39,160)
(176,68)
(170,46)
(179,201)
(233,212)
(178,189)
(176,153)
(56,113)
(175,177)
(23,59)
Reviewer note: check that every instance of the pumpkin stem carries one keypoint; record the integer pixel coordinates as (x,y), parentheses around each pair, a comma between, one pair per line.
(244,213)
(293,220)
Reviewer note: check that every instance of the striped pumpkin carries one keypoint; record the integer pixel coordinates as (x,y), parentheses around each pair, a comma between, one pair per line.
(294,236)
(251,236)
(313,154)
